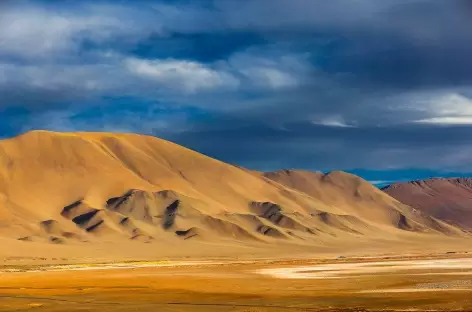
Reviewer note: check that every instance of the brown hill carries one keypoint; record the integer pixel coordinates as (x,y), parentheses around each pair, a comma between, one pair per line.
(86,188)
(358,199)
(446,199)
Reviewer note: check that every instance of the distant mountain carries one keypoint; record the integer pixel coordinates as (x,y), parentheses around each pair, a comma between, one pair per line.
(447,199)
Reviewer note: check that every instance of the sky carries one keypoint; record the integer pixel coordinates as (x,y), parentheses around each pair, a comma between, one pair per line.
(382,89)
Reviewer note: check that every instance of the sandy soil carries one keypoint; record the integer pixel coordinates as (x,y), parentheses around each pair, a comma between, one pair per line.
(377,284)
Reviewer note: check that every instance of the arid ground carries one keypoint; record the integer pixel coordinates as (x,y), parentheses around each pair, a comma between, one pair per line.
(433,282)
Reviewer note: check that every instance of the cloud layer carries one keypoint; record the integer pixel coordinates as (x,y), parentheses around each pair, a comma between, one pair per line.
(338,84)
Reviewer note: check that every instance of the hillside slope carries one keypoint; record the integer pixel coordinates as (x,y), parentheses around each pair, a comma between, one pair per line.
(446,199)
(358,198)
(79,188)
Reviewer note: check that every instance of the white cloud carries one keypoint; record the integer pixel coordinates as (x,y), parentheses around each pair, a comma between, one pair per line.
(333,121)
(452,105)
(465,120)
(449,109)
(90,78)
(248,69)
(267,69)
(115,73)
(270,77)
(182,75)
(112,72)
(35,32)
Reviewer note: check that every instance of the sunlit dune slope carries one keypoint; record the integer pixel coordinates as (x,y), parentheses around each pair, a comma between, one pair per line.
(87,187)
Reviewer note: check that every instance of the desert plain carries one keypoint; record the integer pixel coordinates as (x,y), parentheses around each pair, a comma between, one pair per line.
(419,282)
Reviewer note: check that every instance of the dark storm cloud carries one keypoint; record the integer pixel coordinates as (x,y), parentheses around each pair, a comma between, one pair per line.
(375,44)
(305,145)
(283,83)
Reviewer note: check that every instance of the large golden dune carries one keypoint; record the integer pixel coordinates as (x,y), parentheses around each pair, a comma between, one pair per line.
(82,189)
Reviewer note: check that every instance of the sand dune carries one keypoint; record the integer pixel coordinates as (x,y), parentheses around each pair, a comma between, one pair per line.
(85,188)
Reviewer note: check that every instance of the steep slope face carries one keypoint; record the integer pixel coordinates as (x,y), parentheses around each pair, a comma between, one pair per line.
(446,199)
(64,187)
